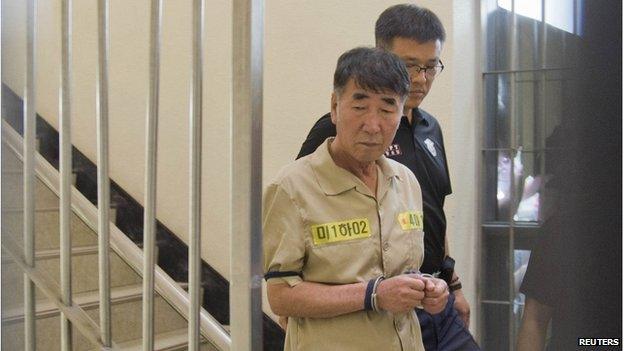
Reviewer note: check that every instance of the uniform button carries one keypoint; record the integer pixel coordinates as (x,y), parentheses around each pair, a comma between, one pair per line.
(386,246)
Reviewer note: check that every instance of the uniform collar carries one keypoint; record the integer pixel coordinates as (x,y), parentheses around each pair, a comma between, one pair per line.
(419,118)
(334,180)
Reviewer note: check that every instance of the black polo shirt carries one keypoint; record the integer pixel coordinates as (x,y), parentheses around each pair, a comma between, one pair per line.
(420,147)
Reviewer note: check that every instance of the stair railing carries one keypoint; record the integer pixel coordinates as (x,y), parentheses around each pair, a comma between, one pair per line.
(246,275)
(127,250)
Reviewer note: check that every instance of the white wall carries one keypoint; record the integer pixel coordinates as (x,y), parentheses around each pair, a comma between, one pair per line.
(303,40)
(128,98)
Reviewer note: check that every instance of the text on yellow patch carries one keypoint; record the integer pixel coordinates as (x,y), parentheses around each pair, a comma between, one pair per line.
(410,220)
(352,229)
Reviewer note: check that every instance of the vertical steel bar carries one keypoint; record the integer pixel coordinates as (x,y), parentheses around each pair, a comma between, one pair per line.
(246,126)
(514,66)
(544,37)
(102,175)
(543,126)
(149,219)
(576,23)
(195,188)
(30,121)
(485,58)
(65,168)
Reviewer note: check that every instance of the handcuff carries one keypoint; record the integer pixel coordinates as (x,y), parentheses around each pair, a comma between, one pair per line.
(426,275)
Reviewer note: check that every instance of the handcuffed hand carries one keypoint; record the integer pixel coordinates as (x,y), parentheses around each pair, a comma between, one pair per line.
(400,294)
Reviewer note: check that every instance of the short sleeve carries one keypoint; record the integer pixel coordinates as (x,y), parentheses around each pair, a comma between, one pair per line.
(322,129)
(282,237)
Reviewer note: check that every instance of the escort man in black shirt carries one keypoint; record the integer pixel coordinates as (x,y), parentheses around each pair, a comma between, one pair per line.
(416,35)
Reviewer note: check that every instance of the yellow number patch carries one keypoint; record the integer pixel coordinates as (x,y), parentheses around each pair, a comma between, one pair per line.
(411,220)
(352,229)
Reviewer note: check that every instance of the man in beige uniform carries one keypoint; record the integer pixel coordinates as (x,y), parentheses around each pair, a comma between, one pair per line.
(343,226)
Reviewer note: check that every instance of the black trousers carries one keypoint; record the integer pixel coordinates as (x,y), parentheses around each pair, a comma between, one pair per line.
(445,331)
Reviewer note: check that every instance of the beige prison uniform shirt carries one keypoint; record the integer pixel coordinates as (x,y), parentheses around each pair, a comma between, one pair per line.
(322,224)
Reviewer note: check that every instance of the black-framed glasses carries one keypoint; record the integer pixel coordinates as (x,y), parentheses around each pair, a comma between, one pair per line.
(430,71)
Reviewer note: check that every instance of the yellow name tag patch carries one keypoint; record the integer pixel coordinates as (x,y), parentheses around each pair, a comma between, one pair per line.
(332,232)
(410,220)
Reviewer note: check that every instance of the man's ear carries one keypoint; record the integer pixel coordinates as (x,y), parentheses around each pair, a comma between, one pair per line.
(334,108)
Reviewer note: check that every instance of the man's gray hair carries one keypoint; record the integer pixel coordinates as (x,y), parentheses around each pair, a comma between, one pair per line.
(372,69)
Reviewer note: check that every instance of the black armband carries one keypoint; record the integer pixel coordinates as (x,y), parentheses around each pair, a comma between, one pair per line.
(275,274)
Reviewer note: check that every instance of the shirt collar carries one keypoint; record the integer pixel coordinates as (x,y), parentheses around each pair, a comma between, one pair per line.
(334,179)
(418,117)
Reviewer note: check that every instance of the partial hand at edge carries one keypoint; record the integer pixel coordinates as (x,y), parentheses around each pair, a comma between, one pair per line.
(436,295)
(462,307)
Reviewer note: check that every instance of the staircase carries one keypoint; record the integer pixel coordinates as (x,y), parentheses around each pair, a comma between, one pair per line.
(126,305)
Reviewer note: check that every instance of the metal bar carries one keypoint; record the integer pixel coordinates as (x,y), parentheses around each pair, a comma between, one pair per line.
(103,184)
(576,23)
(484,23)
(542,91)
(30,121)
(149,219)
(195,188)
(246,245)
(481,166)
(495,302)
(514,65)
(527,70)
(543,47)
(127,250)
(65,169)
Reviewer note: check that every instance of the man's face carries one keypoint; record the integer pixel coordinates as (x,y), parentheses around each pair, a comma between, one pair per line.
(365,121)
(423,55)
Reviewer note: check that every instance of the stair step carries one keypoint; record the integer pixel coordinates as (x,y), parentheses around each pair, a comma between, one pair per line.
(13,192)
(46,229)
(55,253)
(170,341)
(9,158)
(125,319)
(84,273)
(86,300)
